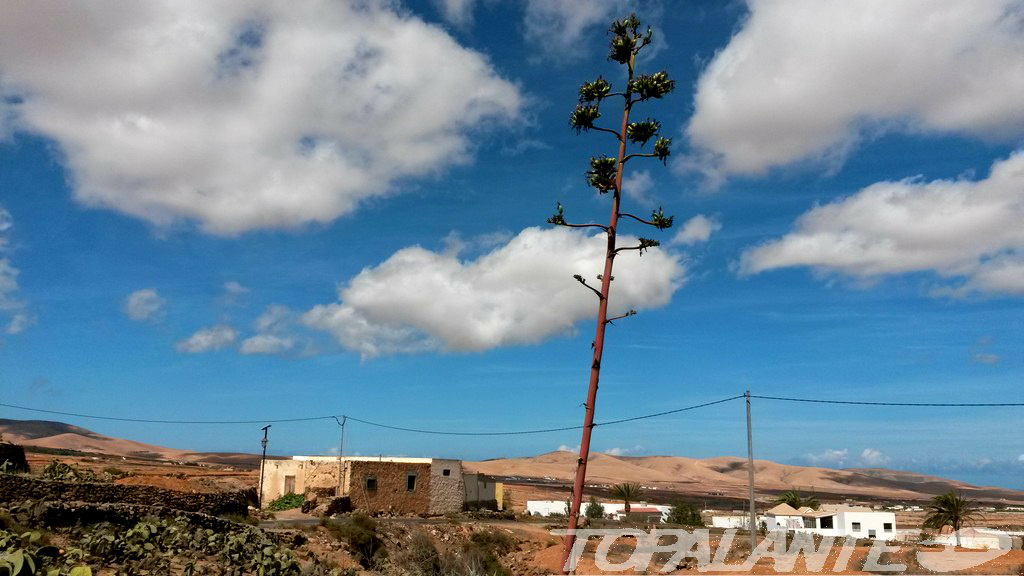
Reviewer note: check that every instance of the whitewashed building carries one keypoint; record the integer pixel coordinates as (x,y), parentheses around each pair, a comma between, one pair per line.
(856,521)
(616,510)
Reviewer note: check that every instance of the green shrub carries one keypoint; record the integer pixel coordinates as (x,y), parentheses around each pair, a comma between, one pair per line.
(684,514)
(287,502)
(422,558)
(360,532)
(594,509)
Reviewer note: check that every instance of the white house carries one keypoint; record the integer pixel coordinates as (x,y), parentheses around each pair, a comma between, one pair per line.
(615,510)
(841,520)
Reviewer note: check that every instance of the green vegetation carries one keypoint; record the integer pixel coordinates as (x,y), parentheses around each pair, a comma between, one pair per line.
(360,532)
(794,499)
(627,492)
(950,509)
(57,470)
(28,553)
(594,509)
(287,502)
(684,514)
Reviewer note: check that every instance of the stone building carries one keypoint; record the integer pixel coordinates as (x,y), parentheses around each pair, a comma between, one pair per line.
(423,486)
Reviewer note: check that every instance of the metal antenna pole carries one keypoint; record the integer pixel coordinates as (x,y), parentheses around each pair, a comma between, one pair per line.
(263,464)
(750,472)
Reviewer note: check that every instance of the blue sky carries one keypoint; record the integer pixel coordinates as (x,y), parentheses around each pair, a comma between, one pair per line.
(248,211)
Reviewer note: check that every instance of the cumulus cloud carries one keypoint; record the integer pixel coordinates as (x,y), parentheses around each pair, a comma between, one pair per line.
(267,344)
(696,230)
(274,333)
(234,293)
(14,315)
(521,292)
(967,230)
(145,304)
(240,115)
(458,12)
(638,186)
(808,79)
(830,457)
(557,27)
(872,458)
(209,339)
(567,448)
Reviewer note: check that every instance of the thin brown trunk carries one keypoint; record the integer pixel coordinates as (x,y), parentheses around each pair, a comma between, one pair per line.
(602,322)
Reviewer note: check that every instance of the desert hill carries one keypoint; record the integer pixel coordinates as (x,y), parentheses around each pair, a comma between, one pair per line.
(727,476)
(61,436)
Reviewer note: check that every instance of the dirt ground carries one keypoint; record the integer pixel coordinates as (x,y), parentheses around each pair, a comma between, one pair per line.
(185,478)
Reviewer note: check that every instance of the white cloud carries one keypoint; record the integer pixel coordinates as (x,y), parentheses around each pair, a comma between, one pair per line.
(208,339)
(233,292)
(557,27)
(1020,458)
(241,115)
(13,310)
(145,304)
(808,79)
(267,344)
(873,458)
(274,332)
(638,186)
(458,12)
(567,448)
(623,451)
(957,228)
(830,457)
(696,230)
(519,293)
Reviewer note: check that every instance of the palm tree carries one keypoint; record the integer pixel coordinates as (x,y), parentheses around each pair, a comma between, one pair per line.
(950,509)
(627,491)
(794,499)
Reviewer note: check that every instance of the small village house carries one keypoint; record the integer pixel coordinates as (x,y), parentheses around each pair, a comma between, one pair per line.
(425,486)
(833,520)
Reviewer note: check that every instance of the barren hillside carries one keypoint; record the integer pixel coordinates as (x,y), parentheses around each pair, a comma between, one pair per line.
(727,476)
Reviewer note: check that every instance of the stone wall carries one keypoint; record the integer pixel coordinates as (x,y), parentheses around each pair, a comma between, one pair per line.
(18,488)
(447,493)
(392,493)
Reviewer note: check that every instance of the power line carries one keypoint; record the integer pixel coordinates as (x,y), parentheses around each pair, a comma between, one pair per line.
(370,423)
(910,404)
(667,412)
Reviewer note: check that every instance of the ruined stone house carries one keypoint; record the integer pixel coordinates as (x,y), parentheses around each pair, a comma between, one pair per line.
(424,486)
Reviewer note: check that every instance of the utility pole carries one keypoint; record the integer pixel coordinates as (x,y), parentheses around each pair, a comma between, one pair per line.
(341,454)
(263,464)
(750,473)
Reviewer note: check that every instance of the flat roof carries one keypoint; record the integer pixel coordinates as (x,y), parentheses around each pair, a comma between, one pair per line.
(396,459)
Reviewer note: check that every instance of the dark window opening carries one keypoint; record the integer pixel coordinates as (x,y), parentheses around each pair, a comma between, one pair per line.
(371,483)
(871,533)
(446,472)
(808,522)
(410,483)
(856,526)
(887,526)
(826,522)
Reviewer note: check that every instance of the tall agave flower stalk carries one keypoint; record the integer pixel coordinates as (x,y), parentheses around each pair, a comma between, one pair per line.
(605,175)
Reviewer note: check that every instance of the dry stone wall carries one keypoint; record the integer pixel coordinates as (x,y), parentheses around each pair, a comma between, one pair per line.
(18,488)
(392,493)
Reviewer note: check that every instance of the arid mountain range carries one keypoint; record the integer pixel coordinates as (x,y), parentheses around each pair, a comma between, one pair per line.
(722,477)
(726,476)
